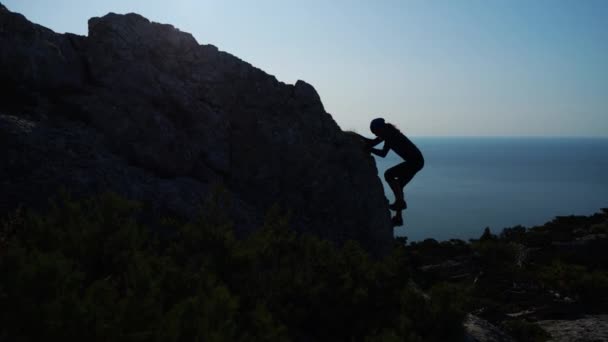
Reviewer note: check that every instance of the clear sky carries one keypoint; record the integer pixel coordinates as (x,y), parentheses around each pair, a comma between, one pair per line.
(470,67)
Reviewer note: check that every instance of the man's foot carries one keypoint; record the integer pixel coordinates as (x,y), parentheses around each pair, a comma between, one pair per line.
(398,205)
(397,221)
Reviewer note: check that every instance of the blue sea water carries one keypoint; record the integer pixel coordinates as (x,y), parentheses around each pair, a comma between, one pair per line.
(468,184)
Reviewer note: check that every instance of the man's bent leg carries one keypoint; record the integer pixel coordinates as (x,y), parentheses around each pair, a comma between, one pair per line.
(392,177)
(397,220)
(399,198)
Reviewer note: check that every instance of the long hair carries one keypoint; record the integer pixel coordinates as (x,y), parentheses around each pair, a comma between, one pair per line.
(392,127)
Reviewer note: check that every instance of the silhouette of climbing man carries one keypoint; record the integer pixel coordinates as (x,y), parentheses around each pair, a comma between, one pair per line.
(401,174)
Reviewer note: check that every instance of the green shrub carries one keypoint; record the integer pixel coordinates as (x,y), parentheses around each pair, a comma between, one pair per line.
(578,282)
(524,331)
(495,255)
(514,234)
(87,270)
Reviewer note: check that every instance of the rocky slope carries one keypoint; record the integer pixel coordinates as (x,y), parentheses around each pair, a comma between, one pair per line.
(140,108)
(548,282)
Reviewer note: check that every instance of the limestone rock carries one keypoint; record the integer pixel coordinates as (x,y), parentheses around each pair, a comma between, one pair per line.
(140,108)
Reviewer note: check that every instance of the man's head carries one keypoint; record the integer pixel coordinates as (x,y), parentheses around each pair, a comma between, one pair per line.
(377,126)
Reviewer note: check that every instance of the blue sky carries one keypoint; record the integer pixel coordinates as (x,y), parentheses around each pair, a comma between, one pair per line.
(434,68)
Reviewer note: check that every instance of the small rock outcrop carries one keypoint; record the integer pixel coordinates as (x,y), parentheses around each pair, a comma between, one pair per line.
(140,108)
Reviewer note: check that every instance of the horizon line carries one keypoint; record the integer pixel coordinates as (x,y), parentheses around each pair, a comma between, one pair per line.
(515,136)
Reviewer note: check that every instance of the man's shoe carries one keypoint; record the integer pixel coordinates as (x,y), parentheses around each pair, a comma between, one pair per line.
(398,205)
(397,221)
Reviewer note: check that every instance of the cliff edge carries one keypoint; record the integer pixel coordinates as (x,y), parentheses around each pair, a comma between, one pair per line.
(141,109)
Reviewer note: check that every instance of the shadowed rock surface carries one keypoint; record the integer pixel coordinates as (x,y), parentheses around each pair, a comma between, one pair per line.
(479,330)
(590,328)
(142,109)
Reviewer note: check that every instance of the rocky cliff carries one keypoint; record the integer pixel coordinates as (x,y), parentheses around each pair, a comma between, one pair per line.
(141,109)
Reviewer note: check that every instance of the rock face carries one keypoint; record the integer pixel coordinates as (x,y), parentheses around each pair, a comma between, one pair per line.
(479,330)
(142,109)
(586,329)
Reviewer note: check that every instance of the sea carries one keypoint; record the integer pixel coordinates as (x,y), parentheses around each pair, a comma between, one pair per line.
(470,183)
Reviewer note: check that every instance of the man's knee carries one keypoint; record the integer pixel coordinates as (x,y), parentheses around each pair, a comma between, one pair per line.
(420,165)
(389,175)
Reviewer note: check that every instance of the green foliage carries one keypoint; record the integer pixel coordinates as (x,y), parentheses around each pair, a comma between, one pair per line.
(524,331)
(88,270)
(588,286)
(447,308)
(515,234)
(487,235)
(495,255)
(555,269)
(430,251)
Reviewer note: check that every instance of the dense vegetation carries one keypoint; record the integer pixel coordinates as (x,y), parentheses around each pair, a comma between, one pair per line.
(90,270)
(87,270)
(521,276)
